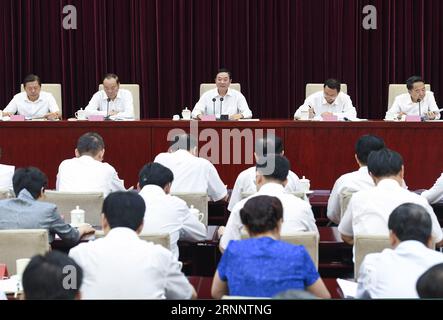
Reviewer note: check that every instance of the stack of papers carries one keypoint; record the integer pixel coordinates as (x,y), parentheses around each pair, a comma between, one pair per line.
(349,288)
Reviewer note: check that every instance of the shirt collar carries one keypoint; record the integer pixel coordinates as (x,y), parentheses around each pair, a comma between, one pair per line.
(105,97)
(25,195)
(363,169)
(388,184)
(332,104)
(152,189)
(409,246)
(122,232)
(272,187)
(29,101)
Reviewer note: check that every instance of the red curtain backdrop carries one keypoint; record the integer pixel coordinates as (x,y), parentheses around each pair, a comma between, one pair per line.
(273,47)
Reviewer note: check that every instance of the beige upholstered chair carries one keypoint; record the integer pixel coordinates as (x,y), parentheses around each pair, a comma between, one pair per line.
(135,90)
(55,89)
(198,200)
(21,243)
(162,239)
(6,194)
(364,244)
(208,86)
(91,202)
(345,197)
(396,89)
(315,87)
(309,239)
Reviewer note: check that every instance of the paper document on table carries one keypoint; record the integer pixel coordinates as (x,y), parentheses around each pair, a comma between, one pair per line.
(349,288)
(248,119)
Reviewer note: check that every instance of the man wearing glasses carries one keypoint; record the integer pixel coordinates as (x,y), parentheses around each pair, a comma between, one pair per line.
(416,101)
(329,102)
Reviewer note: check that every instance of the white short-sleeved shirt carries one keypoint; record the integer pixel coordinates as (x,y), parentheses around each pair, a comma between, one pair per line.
(21,105)
(435,194)
(342,106)
(123,104)
(193,174)
(122,266)
(169,214)
(393,274)
(403,103)
(85,174)
(245,183)
(233,102)
(297,214)
(6,174)
(369,210)
(356,180)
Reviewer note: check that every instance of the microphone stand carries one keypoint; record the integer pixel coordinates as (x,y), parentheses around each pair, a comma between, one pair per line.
(221,106)
(213,106)
(419,110)
(107,110)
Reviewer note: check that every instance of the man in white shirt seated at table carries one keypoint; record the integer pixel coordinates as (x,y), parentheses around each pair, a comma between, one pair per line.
(271,178)
(435,194)
(191,173)
(87,172)
(245,182)
(222,100)
(121,265)
(329,102)
(33,103)
(393,273)
(112,101)
(166,213)
(368,211)
(356,180)
(417,99)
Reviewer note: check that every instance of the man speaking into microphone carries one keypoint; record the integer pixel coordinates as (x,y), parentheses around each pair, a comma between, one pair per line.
(416,102)
(222,100)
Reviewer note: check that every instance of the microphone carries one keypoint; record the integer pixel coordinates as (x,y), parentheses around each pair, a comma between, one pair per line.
(419,109)
(221,105)
(107,109)
(213,107)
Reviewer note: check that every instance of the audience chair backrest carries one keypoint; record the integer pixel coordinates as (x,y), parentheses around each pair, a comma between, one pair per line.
(21,243)
(209,86)
(345,197)
(6,194)
(55,89)
(365,244)
(198,199)
(309,239)
(135,90)
(397,89)
(162,239)
(298,194)
(316,87)
(91,202)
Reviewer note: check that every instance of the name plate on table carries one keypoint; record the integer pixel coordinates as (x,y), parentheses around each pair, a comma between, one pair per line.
(412,119)
(96,118)
(209,117)
(330,118)
(17,118)
(3,271)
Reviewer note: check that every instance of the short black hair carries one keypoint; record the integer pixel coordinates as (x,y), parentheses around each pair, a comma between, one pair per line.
(384,163)
(333,84)
(182,142)
(269,144)
(261,214)
(411,221)
(32,78)
(274,166)
(430,283)
(224,70)
(365,145)
(90,143)
(410,82)
(124,209)
(110,76)
(31,179)
(53,276)
(156,174)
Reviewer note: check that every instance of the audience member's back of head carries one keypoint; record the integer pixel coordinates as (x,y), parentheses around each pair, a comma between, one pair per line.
(261,214)
(411,221)
(430,283)
(53,276)
(90,143)
(124,209)
(275,167)
(31,179)
(182,142)
(384,163)
(267,145)
(155,174)
(365,145)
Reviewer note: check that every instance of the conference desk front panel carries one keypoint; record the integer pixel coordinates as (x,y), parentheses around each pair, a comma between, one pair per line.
(321,151)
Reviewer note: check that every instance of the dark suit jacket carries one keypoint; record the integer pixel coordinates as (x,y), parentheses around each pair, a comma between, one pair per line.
(24,212)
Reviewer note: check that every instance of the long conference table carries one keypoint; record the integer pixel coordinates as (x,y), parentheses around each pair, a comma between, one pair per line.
(321,151)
